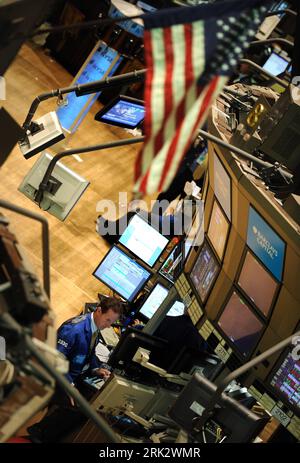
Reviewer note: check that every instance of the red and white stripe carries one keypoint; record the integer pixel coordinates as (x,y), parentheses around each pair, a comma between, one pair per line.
(175,105)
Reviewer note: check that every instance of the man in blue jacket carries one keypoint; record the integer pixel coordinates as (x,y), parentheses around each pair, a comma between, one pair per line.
(76,339)
(78,336)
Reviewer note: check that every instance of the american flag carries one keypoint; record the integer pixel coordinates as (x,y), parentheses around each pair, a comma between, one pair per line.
(190,53)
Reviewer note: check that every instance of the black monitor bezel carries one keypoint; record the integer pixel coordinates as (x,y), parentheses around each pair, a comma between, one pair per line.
(215,201)
(109,106)
(129,257)
(195,291)
(143,317)
(274,391)
(236,351)
(134,254)
(245,295)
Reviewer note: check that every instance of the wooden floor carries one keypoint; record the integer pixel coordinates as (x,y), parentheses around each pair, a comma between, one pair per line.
(76,249)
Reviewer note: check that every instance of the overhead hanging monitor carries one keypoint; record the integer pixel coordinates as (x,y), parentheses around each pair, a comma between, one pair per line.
(276,64)
(258,284)
(204,272)
(222,186)
(123,111)
(265,243)
(218,229)
(284,380)
(241,326)
(122,274)
(143,240)
(173,265)
(68,187)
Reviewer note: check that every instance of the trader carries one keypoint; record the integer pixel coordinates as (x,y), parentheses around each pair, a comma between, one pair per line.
(77,339)
(78,336)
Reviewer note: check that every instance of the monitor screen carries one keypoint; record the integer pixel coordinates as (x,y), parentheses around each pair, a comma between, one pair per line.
(204,272)
(275,64)
(122,274)
(257,283)
(154,300)
(143,240)
(218,230)
(236,423)
(265,243)
(172,266)
(177,309)
(222,186)
(123,112)
(240,325)
(286,380)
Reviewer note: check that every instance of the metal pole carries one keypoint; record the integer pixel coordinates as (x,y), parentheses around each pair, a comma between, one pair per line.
(83,405)
(44,183)
(45,238)
(264,72)
(242,153)
(82,89)
(274,40)
(235,374)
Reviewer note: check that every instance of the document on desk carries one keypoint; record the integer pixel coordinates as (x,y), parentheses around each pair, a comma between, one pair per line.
(102,352)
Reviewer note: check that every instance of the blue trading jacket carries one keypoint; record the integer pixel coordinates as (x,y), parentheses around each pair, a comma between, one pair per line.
(73,340)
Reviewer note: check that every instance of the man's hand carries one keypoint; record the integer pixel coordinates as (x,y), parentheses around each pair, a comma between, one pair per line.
(103,373)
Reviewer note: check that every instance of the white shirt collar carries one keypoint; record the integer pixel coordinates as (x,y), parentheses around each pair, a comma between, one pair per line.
(93,324)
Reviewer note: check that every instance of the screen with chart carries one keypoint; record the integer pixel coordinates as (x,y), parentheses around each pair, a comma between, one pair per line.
(154,300)
(122,274)
(143,240)
(257,283)
(173,264)
(204,272)
(285,380)
(218,230)
(241,326)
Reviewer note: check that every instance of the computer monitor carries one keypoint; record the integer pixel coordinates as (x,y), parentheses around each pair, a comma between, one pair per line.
(123,111)
(218,229)
(222,185)
(173,265)
(143,240)
(258,284)
(153,302)
(131,340)
(275,64)
(204,272)
(284,380)
(240,325)
(177,309)
(68,189)
(122,274)
(238,423)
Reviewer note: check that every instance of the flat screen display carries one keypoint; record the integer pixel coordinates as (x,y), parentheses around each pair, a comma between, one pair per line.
(286,380)
(172,266)
(177,309)
(122,274)
(218,230)
(123,112)
(143,240)
(257,283)
(240,324)
(204,272)
(265,243)
(222,186)
(275,64)
(154,300)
